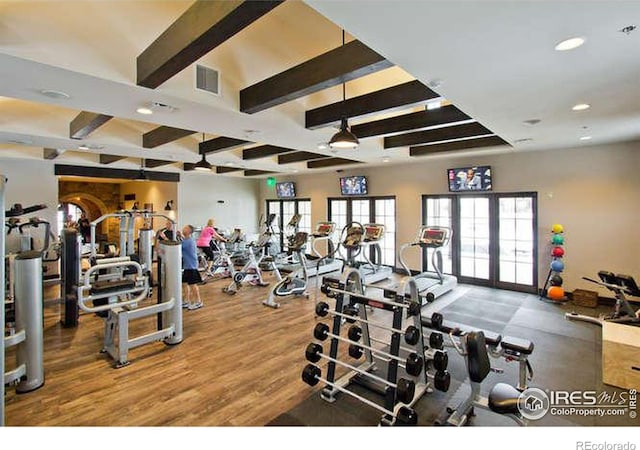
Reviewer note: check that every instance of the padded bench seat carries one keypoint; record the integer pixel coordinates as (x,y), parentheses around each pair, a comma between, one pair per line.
(458,329)
(108,287)
(517,345)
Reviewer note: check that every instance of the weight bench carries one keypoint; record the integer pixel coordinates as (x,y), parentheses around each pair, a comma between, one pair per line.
(509,348)
(503,398)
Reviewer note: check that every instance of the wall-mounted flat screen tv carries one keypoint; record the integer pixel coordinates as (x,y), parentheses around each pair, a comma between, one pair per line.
(286,189)
(472,178)
(356,185)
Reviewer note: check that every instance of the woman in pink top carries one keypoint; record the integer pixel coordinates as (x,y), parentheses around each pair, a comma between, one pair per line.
(207,235)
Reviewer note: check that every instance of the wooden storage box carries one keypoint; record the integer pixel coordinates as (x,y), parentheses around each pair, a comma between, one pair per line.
(621,355)
(582,297)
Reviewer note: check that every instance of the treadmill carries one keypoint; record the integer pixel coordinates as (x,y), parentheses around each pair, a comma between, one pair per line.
(371,272)
(431,285)
(323,232)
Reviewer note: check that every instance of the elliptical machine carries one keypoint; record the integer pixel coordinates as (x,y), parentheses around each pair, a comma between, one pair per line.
(295,283)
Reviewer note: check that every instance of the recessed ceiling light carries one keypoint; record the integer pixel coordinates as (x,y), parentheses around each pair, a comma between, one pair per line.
(322,146)
(20,141)
(531,122)
(435,83)
(90,147)
(569,44)
(58,95)
(434,104)
(229,164)
(581,107)
(295,170)
(585,138)
(385,160)
(144,110)
(523,140)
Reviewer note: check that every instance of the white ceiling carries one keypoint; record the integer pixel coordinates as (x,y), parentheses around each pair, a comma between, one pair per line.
(495,58)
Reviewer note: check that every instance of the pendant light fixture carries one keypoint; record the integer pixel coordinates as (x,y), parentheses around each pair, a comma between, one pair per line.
(203,165)
(344,138)
(142,175)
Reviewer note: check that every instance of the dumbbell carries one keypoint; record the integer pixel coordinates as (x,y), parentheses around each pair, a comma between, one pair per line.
(441,380)
(436,340)
(411,334)
(312,374)
(438,359)
(413,364)
(430,297)
(405,389)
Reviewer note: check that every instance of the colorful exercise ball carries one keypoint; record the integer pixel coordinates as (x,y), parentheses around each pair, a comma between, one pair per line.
(558,252)
(557,228)
(557,239)
(555,293)
(556,280)
(557,265)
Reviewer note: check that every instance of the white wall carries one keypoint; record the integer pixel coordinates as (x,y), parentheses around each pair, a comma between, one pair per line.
(593,191)
(31,182)
(200,194)
(157,193)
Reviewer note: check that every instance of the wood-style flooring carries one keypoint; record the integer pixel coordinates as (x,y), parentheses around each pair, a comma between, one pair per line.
(239,365)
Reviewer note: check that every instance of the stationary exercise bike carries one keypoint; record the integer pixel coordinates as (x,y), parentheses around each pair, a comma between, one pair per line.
(619,285)
(295,283)
(251,272)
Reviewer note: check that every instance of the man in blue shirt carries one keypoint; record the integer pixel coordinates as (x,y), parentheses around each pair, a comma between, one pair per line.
(190,275)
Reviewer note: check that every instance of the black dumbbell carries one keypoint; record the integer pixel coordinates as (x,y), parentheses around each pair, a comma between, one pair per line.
(436,341)
(413,364)
(442,381)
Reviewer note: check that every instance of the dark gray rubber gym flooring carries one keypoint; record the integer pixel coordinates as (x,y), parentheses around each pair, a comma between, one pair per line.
(567,356)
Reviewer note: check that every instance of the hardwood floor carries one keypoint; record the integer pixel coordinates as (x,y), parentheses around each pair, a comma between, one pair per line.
(239,365)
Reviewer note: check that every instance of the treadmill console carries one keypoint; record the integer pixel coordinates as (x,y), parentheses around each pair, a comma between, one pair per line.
(433,237)
(373,232)
(324,229)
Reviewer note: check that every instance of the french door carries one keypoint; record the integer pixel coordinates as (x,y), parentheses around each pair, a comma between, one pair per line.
(368,210)
(284,211)
(494,238)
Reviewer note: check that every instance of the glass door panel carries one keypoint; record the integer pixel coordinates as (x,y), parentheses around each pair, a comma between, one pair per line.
(474,238)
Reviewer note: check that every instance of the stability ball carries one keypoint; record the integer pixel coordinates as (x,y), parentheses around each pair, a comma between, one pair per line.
(555,293)
(557,228)
(557,265)
(557,252)
(557,239)
(556,280)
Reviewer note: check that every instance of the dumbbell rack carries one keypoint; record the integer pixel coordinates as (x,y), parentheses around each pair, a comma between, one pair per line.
(350,292)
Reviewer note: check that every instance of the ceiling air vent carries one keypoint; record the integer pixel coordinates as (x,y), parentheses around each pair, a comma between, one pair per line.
(207,79)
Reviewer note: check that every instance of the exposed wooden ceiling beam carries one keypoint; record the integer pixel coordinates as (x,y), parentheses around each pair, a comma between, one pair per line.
(348,62)
(220,144)
(319,163)
(299,156)
(413,121)
(263,151)
(107,172)
(163,135)
(224,169)
(108,159)
(439,134)
(204,26)
(404,94)
(151,163)
(188,166)
(86,123)
(50,153)
(489,141)
(251,173)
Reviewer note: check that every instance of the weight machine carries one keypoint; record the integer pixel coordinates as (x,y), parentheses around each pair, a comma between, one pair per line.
(623,311)
(24,281)
(123,283)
